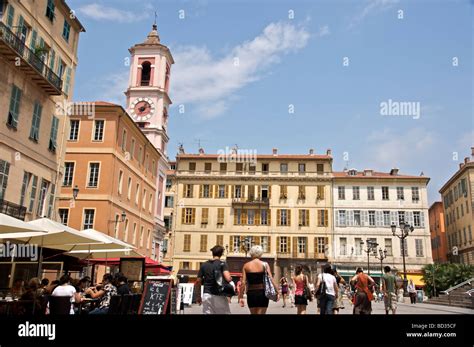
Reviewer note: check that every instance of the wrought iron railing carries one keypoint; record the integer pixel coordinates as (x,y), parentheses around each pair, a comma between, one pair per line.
(14,42)
(13,210)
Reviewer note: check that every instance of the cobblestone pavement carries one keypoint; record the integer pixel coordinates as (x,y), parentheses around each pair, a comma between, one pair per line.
(378,308)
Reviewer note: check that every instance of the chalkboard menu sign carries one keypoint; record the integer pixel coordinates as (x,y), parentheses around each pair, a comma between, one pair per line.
(156,296)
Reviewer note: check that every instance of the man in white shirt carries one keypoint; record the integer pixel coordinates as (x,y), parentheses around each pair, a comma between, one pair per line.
(66,289)
(327,290)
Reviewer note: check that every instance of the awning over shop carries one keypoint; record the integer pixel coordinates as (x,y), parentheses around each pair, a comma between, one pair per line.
(417,279)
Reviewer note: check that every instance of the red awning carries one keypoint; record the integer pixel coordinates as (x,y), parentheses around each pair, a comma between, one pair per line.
(150,264)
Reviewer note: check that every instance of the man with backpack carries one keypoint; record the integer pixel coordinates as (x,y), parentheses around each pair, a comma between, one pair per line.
(215,276)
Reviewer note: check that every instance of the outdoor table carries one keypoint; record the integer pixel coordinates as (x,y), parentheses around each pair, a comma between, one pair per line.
(93,302)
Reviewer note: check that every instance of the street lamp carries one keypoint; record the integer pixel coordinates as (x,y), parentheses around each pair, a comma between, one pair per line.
(75,192)
(123,215)
(370,247)
(382,255)
(405,230)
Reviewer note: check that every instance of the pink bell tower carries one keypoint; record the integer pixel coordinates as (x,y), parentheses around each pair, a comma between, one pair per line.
(147,103)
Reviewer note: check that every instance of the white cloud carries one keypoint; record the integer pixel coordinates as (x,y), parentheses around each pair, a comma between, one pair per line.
(100,12)
(113,87)
(323,31)
(199,77)
(372,7)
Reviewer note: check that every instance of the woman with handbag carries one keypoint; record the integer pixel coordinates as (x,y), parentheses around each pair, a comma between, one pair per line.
(363,292)
(300,283)
(256,277)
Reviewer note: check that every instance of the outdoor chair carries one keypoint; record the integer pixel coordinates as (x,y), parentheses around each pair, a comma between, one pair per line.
(59,305)
(115,304)
(135,305)
(126,302)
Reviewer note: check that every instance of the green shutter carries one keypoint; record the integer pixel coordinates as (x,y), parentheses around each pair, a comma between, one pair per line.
(14,107)
(34,36)
(35,124)
(54,134)
(52,59)
(10,16)
(68,81)
(51,200)
(21,22)
(34,186)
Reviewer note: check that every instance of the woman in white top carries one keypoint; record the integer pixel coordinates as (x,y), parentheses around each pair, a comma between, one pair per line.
(66,289)
(328,297)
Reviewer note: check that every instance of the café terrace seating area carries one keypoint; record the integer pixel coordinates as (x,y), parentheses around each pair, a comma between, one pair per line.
(40,255)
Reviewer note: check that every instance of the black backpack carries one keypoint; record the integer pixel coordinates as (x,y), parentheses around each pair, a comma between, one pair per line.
(225,288)
(322,288)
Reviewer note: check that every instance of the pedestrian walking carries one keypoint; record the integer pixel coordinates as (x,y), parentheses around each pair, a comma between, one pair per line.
(284,289)
(253,275)
(300,282)
(327,290)
(291,291)
(213,300)
(363,292)
(389,290)
(412,292)
(338,304)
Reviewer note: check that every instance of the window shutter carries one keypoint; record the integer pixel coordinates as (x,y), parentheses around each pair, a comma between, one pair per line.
(326,218)
(235,217)
(183,215)
(288,217)
(422,219)
(269,244)
(300,217)
(315,244)
(257,217)
(232,191)
(269,219)
(378,218)
(21,22)
(410,217)
(349,217)
(231,243)
(364,218)
(337,218)
(288,244)
(52,59)
(278,244)
(193,215)
(226,191)
(278,217)
(307,218)
(326,243)
(244,217)
(201,190)
(216,191)
(393,217)
(68,81)
(306,246)
(295,246)
(256,240)
(269,191)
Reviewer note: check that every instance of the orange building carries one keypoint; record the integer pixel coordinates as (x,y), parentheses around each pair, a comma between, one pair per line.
(439,244)
(114,166)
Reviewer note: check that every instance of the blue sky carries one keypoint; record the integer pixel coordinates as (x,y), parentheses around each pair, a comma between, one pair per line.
(298,63)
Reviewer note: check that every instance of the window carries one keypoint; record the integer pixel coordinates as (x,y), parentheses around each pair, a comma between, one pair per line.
(265,243)
(419,247)
(137,194)
(14,110)
(220,240)
(355,193)
(10,16)
(132,151)
(120,182)
(250,217)
(357,218)
(252,169)
(320,168)
(323,218)
(301,244)
(386,218)
(129,188)
(150,203)
(222,191)
(50,10)
(64,215)
(304,218)
(116,226)
(187,243)
(320,193)
(265,192)
(385,195)
(264,217)
(74,132)
(220,216)
(341,193)
(416,219)
(238,191)
(239,167)
(204,215)
(342,246)
(142,230)
(203,243)
(24,187)
(283,192)
(388,247)
(42,197)
(192,167)
(34,187)
(372,218)
(237,217)
(88,219)
(284,217)
(415,194)
(54,134)
(144,196)
(403,247)
(223,167)
(358,246)
(66,30)
(68,174)
(301,192)
(205,191)
(124,140)
(169,201)
(401,217)
(146,73)
(370,193)
(188,215)
(283,168)
(188,190)
(98,130)
(283,245)
(4,171)
(139,159)
(400,193)
(265,168)
(207,167)
(342,218)
(301,168)
(93,175)
(61,68)
(35,122)
(134,234)
(321,245)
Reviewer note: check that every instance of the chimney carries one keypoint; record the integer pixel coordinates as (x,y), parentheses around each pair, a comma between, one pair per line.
(328,151)
(311,151)
(275,151)
(394,172)
(466,160)
(201,150)
(368,172)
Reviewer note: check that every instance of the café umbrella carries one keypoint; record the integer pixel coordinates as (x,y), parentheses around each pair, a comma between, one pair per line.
(10,227)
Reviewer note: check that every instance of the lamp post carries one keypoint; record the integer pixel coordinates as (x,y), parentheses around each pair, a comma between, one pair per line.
(405,230)
(382,255)
(75,192)
(370,247)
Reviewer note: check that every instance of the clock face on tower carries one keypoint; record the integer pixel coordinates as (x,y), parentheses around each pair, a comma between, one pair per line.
(142,109)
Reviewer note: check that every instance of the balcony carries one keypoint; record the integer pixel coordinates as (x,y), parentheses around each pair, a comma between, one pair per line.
(241,202)
(12,48)
(12,210)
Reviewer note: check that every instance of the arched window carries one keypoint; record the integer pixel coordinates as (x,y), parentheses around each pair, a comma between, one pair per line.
(146,72)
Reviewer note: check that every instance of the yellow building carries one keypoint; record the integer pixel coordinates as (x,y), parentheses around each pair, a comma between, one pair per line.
(38,59)
(458,201)
(238,198)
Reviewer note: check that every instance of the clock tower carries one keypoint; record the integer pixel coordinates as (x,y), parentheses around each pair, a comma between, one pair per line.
(147,104)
